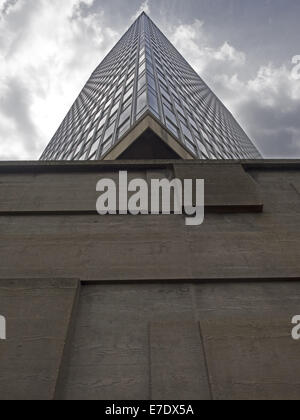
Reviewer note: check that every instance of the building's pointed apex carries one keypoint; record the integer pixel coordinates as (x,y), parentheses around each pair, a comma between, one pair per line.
(143,13)
(144,75)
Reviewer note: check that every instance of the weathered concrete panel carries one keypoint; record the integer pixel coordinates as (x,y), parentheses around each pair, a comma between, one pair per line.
(178,367)
(150,247)
(252,360)
(246,330)
(211,341)
(94,247)
(279,190)
(68,192)
(110,356)
(226,186)
(38,314)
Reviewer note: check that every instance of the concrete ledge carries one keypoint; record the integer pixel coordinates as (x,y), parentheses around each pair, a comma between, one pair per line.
(71,189)
(49,242)
(228,188)
(34,167)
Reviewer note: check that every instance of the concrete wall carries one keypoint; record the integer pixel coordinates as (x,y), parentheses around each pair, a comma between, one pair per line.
(123,307)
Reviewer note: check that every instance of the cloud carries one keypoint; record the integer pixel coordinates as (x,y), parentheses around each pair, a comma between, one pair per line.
(194,44)
(45,59)
(18,132)
(48,49)
(6,6)
(267,104)
(228,53)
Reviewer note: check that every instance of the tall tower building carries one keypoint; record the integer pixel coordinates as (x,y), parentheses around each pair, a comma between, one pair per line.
(137,308)
(145,101)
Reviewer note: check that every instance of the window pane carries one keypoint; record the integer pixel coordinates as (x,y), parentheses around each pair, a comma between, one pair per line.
(124,127)
(153,102)
(151,82)
(106,145)
(94,148)
(109,132)
(90,135)
(97,116)
(186,132)
(141,82)
(115,108)
(112,118)
(191,146)
(142,68)
(128,94)
(78,148)
(141,102)
(170,115)
(172,127)
(201,147)
(126,114)
(101,123)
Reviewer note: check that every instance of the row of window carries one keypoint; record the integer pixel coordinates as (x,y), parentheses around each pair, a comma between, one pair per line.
(145,70)
(108,119)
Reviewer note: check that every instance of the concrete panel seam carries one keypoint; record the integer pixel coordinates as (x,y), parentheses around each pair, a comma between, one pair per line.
(67,344)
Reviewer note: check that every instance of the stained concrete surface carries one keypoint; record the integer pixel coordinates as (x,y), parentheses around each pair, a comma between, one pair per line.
(164,310)
(38,314)
(195,342)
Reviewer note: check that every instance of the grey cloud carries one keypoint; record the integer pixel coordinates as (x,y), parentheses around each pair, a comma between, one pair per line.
(14,105)
(7,6)
(275,130)
(263,30)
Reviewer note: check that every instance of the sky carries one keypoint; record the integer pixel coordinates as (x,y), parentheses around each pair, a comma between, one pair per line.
(247,51)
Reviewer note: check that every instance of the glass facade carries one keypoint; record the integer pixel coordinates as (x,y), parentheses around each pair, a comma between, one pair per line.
(145,73)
